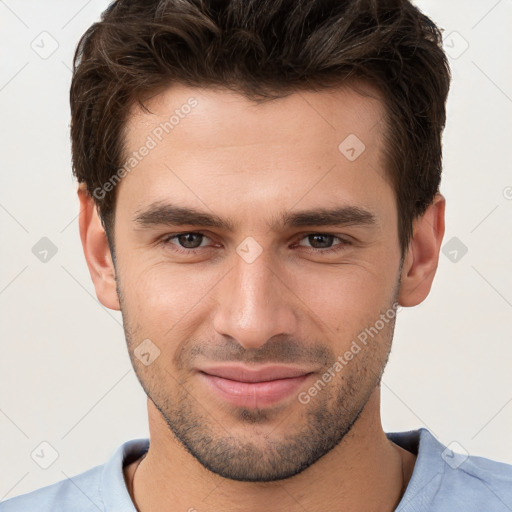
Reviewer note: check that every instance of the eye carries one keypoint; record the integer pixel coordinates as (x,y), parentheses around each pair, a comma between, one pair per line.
(191,242)
(324,242)
(187,243)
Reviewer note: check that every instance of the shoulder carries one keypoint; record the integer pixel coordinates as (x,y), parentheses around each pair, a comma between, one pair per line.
(477,483)
(444,480)
(99,488)
(79,493)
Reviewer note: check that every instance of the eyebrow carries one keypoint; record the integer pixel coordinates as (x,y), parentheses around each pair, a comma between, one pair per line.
(158,214)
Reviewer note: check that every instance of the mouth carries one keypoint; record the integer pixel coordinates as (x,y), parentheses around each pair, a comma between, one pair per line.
(255,388)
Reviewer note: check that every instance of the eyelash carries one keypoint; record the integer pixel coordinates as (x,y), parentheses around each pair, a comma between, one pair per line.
(180,250)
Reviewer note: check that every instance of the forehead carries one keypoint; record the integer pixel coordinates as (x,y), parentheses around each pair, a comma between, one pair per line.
(217,146)
(353,108)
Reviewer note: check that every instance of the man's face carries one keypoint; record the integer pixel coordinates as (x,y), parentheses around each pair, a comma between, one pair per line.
(266,288)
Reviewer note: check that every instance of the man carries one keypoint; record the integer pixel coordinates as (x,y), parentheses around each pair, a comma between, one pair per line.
(259,191)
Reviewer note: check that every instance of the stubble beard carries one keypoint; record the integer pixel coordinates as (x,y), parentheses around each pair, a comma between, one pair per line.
(300,434)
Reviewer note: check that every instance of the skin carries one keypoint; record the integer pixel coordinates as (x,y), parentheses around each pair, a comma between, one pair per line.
(248,164)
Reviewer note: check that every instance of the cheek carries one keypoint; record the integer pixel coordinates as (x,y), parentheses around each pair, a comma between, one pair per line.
(169,302)
(164,300)
(167,287)
(346,297)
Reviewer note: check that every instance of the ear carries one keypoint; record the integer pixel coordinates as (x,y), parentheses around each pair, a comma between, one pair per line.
(97,251)
(422,257)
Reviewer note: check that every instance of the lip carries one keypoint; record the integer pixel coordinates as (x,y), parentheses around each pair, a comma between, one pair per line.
(256,388)
(242,373)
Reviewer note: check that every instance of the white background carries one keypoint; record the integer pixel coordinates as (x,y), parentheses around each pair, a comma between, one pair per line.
(65,375)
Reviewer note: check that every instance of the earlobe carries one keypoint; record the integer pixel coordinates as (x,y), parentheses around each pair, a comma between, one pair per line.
(97,251)
(422,257)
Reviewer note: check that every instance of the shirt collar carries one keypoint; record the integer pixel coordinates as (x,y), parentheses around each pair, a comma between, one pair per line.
(425,480)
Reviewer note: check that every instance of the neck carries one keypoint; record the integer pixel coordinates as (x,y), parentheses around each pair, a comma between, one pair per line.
(364,472)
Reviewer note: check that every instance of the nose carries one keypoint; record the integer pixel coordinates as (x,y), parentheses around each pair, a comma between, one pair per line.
(255,303)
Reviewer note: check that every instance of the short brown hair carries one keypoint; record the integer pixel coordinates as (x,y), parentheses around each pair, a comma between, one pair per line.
(263,49)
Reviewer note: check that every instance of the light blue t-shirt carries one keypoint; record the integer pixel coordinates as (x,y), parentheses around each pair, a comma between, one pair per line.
(442,481)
